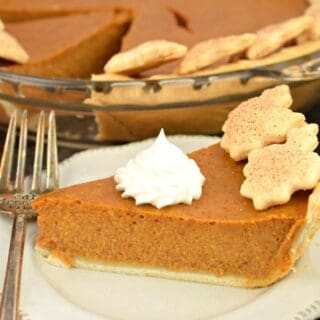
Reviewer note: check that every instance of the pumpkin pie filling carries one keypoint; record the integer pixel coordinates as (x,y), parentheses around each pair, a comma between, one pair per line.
(220,236)
(71,46)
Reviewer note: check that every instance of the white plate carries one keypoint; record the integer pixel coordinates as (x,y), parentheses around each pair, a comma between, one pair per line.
(52,293)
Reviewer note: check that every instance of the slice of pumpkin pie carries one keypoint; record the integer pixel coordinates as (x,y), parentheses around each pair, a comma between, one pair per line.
(187,217)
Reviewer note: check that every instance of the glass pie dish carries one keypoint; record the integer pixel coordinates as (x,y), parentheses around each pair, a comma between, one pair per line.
(94,112)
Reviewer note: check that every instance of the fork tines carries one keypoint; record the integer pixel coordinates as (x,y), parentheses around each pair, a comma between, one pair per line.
(7,155)
(9,150)
(52,178)
(22,152)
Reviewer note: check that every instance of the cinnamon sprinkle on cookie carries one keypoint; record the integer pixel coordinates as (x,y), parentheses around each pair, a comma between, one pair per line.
(275,172)
(259,122)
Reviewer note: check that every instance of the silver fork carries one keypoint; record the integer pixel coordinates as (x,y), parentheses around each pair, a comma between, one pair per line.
(15,199)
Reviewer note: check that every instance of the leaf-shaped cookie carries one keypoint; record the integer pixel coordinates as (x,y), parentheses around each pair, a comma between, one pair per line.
(145,56)
(314,204)
(273,37)
(214,51)
(313,1)
(275,172)
(314,32)
(259,122)
(10,49)
(1,25)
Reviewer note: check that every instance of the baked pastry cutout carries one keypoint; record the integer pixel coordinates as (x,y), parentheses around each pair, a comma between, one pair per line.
(145,56)
(314,11)
(279,145)
(10,49)
(218,51)
(259,122)
(215,52)
(275,172)
(273,37)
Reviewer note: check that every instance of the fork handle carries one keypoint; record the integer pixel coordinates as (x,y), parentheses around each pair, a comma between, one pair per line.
(9,307)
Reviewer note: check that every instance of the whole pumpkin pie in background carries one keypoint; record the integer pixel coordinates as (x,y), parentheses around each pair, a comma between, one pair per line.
(221,238)
(176,21)
(187,24)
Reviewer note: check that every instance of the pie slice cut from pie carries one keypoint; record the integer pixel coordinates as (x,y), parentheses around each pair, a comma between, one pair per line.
(221,238)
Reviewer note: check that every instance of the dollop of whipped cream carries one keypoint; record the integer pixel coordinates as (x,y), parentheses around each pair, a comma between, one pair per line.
(161,175)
